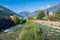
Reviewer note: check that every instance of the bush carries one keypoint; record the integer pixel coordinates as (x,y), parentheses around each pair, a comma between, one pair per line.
(57,15)
(30,18)
(15,19)
(40,14)
(22,20)
(52,18)
(31,31)
(18,20)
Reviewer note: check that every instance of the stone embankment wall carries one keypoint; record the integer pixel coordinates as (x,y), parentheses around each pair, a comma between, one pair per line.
(54,24)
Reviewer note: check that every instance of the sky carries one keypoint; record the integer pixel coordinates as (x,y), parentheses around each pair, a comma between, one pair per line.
(27,5)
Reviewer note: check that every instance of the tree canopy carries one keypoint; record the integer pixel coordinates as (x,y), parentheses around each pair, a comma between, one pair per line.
(57,15)
(40,14)
(30,17)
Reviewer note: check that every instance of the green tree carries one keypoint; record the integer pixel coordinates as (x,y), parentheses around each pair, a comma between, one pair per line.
(15,19)
(30,17)
(57,15)
(52,18)
(22,20)
(40,14)
(31,31)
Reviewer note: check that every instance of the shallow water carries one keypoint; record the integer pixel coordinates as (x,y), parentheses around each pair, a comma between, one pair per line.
(12,33)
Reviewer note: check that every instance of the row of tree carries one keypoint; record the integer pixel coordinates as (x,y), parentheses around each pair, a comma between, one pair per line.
(7,22)
(42,15)
(54,17)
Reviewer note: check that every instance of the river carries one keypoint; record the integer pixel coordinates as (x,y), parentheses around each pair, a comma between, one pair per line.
(13,32)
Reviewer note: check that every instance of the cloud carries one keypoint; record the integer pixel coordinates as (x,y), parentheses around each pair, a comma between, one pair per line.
(47,6)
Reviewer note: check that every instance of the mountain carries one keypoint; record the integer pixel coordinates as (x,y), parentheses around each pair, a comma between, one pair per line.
(25,13)
(6,12)
(5,20)
(53,8)
(50,9)
(35,12)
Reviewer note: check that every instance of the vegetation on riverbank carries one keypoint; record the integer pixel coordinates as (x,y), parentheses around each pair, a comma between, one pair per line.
(57,15)
(31,31)
(11,21)
(42,16)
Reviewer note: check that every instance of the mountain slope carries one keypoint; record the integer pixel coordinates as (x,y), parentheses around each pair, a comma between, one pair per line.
(5,20)
(25,13)
(53,8)
(7,12)
(35,12)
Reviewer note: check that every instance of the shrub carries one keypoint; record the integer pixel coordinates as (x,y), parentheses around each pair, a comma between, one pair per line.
(57,15)
(31,31)
(15,19)
(30,18)
(22,20)
(40,14)
(51,18)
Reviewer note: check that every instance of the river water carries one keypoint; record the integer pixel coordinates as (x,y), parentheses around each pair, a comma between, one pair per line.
(12,33)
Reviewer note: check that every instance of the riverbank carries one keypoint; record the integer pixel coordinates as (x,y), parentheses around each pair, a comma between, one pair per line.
(53,24)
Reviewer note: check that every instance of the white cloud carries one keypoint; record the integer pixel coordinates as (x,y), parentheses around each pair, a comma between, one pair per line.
(47,6)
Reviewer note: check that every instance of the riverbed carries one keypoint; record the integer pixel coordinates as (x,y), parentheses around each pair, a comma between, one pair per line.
(13,32)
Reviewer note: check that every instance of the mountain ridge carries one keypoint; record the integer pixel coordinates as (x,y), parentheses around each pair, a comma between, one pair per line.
(52,9)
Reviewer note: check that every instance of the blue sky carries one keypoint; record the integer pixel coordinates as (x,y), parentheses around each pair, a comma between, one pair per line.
(27,5)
